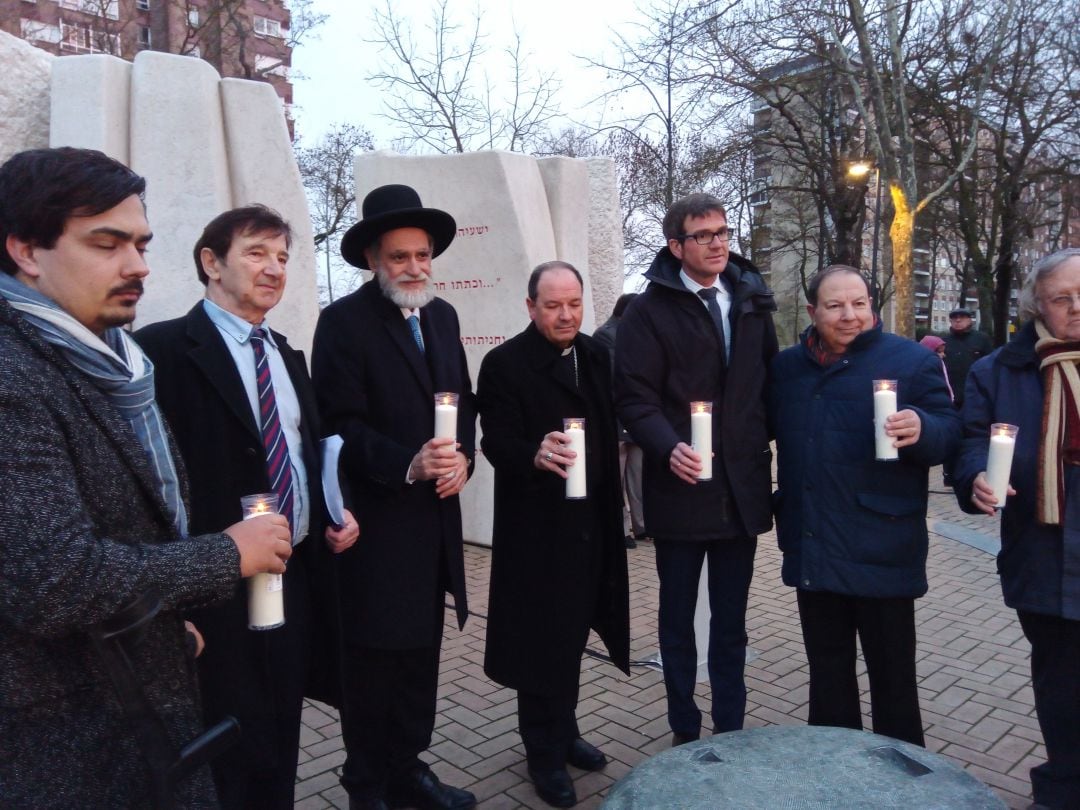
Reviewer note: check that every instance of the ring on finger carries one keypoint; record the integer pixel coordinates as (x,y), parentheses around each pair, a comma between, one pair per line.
(548,456)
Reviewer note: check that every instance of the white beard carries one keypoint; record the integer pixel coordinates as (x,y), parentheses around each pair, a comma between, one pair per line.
(404,298)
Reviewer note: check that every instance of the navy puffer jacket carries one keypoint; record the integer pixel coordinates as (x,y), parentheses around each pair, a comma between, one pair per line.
(846,523)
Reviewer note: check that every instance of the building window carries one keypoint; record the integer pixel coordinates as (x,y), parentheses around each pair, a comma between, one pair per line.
(84,39)
(34,31)
(267,27)
(142,5)
(99,8)
(145,38)
(193,17)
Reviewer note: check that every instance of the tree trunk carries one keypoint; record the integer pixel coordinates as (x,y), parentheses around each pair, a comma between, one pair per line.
(901,233)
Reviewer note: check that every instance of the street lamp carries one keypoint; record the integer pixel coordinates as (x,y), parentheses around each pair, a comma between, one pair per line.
(860,170)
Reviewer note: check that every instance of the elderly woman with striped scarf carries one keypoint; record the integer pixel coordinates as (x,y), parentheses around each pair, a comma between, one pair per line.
(1034,382)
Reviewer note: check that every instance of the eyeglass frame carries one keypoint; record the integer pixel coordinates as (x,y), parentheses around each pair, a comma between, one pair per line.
(723,234)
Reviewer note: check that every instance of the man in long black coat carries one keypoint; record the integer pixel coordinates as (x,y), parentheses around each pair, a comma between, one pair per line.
(206,387)
(381,354)
(558,564)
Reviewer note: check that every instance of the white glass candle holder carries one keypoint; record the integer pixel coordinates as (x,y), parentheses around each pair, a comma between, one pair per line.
(701,436)
(446,413)
(884,407)
(574,428)
(266,592)
(999,461)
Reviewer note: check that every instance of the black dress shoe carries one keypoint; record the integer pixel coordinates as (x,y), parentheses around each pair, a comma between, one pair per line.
(585,756)
(422,789)
(683,739)
(554,787)
(630,541)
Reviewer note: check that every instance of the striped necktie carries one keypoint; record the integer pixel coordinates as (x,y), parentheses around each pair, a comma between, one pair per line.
(278,463)
(414,325)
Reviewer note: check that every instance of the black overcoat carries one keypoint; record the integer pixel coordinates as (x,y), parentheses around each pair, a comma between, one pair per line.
(558,566)
(377,390)
(201,395)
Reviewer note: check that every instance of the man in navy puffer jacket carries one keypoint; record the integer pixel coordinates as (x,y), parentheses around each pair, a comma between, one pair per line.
(853,529)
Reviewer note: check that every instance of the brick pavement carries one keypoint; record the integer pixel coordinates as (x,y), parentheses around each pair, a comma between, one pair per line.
(972,662)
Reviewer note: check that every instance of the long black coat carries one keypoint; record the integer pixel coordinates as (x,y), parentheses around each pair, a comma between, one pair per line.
(667,356)
(558,566)
(202,397)
(83,531)
(377,390)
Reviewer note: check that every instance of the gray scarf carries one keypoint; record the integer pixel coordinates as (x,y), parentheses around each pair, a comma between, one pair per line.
(119,369)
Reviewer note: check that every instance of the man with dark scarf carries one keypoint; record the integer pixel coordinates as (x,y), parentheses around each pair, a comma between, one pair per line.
(94,515)
(1033,382)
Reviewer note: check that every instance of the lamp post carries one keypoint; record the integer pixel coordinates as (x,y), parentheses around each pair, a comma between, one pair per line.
(861,169)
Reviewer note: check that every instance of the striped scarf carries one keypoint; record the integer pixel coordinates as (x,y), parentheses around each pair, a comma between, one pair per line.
(1060,439)
(119,369)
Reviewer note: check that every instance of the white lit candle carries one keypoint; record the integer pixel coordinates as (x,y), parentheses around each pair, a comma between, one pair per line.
(999,462)
(884,407)
(266,592)
(574,428)
(446,405)
(701,436)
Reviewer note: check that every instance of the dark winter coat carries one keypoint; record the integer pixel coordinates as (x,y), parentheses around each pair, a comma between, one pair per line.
(377,390)
(962,349)
(849,524)
(1039,565)
(667,356)
(202,396)
(83,532)
(558,566)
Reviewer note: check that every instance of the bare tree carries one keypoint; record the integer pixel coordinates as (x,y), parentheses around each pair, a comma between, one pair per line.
(327,172)
(881,86)
(440,95)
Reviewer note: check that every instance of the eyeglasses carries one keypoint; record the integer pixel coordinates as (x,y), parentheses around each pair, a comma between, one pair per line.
(1064,301)
(706,237)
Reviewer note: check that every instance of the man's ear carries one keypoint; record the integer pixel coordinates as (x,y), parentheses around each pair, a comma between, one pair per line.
(676,248)
(210,264)
(22,253)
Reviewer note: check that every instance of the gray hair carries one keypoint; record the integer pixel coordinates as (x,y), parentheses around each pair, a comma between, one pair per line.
(1029,301)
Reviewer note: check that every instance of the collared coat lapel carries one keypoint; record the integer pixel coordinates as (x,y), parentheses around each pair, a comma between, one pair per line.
(212,358)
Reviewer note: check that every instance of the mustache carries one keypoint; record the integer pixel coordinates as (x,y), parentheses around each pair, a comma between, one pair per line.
(135,285)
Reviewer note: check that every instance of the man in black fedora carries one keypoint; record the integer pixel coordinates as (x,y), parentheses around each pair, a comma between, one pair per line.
(380,356)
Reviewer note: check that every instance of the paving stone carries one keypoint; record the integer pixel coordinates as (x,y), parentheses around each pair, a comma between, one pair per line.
(972,664)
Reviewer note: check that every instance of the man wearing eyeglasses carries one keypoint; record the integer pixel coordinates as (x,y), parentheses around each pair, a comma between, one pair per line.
(701,331)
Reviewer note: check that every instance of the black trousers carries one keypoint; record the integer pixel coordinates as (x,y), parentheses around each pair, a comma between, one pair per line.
(886,632)
(1055,679)
(547,725)
(258,676)
(387,713)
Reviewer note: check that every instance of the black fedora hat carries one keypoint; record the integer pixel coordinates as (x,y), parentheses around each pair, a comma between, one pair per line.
(390,207)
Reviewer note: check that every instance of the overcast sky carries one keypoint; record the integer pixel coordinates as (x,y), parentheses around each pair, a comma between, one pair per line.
(336,64)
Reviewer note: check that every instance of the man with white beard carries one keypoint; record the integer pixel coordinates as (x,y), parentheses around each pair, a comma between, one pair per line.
(380,356)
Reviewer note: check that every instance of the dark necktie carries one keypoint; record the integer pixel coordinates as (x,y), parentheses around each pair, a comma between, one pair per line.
(709,294)
(414,326)
(278,463)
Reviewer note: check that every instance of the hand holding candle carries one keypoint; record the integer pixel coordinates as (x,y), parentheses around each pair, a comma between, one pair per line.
(574,428)
(884,407)
(266,592)
(701,436)
(999,460)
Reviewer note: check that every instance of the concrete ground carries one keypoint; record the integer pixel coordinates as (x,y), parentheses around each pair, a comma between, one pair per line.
(974,681)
